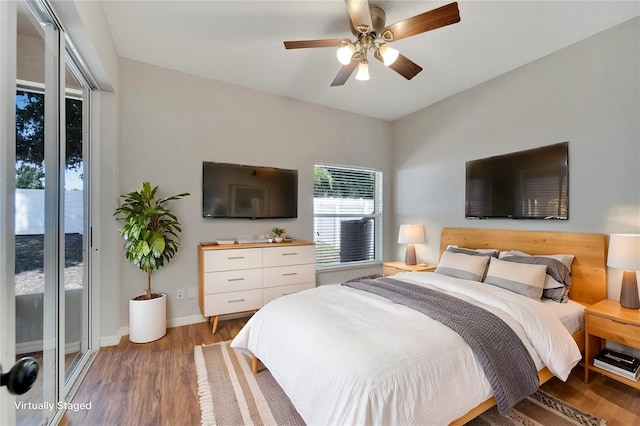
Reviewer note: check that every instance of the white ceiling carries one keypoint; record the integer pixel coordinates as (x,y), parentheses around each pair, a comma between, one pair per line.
(240,42)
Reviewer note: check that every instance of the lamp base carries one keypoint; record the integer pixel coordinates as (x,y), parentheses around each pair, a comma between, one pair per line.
(410,255)
(629,291)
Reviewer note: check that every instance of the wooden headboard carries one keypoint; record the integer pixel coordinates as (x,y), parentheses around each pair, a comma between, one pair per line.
(588,270)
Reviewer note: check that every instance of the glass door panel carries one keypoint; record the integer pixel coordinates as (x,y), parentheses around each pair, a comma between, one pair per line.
(36,231)
(75,248)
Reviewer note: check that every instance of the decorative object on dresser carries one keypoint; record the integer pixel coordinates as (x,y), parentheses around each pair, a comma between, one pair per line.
(392,268)
(624,253)
(607,320)
(410,235)
(150,232)
(279,234)
(242,278)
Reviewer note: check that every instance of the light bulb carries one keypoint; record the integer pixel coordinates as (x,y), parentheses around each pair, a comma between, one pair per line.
(345,53)
(389,54)
(363,71)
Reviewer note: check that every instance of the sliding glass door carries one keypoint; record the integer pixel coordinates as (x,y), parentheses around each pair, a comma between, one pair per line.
(51,311)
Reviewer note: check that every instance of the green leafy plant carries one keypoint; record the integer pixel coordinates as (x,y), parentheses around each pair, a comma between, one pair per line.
(277,231)
(150,231)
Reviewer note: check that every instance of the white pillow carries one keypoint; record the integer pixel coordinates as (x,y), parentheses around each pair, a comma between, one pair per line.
(520,278)
(463,266)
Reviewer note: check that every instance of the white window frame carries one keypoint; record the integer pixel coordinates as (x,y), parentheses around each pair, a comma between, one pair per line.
(376,215)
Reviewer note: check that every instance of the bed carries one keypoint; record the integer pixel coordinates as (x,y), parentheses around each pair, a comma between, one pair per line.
(344,356)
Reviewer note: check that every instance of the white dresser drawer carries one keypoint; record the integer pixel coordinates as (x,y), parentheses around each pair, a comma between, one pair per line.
(272,293)
(229,260)
(226,303)
(287,275)
(226,281)
(292,255)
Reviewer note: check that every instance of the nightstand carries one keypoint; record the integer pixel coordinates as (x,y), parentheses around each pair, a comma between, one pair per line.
(607,320)
(392,268)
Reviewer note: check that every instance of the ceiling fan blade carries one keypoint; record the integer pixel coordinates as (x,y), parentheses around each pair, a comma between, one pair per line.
(427,21)
(359,14)
(303,44)
(344,73)
(402,65)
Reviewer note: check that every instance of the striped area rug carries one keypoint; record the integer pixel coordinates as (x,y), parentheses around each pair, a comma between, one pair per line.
(230,394)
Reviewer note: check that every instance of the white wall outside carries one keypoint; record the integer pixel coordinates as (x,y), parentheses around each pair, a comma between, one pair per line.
(29,210)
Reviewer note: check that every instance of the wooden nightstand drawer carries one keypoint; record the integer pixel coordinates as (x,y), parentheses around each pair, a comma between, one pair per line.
(627,334)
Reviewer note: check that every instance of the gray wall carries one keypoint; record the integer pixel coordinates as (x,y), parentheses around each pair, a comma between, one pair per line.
(587,94)
(172,121)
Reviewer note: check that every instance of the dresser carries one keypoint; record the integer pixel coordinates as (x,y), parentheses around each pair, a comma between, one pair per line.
(238,278)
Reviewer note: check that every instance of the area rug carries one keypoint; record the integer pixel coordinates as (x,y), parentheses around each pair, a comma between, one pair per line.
(230,394)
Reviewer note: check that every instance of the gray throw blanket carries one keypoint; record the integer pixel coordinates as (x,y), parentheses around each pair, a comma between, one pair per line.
(506,362)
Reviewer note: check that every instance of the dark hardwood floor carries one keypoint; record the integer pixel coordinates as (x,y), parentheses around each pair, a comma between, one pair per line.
(155,384)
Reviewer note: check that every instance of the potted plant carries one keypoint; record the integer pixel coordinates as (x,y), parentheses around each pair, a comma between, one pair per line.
(150,232)
(279,233)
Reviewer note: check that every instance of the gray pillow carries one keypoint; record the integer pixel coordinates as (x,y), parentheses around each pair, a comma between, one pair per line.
(555,268)
(472,252)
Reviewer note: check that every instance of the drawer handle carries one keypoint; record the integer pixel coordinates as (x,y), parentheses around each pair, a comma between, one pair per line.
(289,274)
(235,279)
(289,254)
(286,294)
(235,257)
(235,301)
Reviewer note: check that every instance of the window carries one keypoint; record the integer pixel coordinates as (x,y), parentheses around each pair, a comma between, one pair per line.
(347,215)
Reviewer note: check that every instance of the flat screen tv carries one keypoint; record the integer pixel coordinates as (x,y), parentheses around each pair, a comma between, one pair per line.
(531,184)
(249,192)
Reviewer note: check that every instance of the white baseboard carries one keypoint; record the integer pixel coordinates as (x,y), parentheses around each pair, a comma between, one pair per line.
(192,319)
(111,340)
(175,322)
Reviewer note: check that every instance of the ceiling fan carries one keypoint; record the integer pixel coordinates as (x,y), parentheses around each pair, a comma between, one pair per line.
(368,25)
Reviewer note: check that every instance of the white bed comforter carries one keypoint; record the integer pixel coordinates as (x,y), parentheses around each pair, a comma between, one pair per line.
(345,356)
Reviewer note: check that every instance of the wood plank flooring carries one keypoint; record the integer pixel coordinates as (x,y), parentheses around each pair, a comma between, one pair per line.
(155,384)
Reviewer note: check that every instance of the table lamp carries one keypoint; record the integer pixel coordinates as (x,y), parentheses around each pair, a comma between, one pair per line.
(624,253)
(411,234)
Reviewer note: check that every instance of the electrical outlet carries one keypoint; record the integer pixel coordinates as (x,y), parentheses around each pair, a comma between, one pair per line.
(180,293)
(192,292)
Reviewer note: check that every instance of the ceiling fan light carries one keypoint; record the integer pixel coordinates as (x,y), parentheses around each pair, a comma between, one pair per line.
(345,53)
(389,54)
(363,71)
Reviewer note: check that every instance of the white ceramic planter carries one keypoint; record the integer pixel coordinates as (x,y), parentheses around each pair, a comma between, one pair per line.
(147,319)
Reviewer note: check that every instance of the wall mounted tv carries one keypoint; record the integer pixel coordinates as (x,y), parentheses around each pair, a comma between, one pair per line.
(531,184)
(249,192)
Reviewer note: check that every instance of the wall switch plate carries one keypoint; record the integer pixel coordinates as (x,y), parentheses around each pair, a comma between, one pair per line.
(180,293)
(192,292)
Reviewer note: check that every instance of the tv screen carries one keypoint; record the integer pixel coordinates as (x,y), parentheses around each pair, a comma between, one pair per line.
(531,184)
(251,192)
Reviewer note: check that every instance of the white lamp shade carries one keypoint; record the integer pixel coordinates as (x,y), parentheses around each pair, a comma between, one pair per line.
(411,234)
(624,252)
(363,71)
(345,53)
(389,54)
